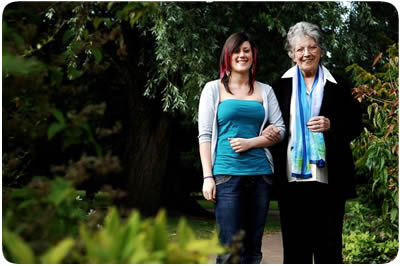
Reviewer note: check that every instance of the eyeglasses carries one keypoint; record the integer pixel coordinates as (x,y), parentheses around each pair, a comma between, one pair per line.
(312,49)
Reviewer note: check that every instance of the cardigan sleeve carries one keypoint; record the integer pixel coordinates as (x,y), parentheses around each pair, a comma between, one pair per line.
(206,113)
(274,113)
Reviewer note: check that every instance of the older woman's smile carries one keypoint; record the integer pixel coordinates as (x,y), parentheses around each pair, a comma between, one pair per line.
(307,55)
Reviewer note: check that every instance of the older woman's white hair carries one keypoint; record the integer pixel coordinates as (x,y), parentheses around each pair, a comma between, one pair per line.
(300,30)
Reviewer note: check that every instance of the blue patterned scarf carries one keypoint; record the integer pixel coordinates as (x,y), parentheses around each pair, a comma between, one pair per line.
(307,147)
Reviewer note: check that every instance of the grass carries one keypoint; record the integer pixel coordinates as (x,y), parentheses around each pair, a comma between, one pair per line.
(273,205)
(204,228)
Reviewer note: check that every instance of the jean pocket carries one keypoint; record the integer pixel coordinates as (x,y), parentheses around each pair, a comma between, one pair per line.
(267,179)
(220,179)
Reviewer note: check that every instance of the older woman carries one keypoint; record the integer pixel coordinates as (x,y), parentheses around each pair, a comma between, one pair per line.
(314,165)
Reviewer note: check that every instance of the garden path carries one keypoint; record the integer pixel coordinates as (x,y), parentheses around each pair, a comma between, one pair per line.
(272,248)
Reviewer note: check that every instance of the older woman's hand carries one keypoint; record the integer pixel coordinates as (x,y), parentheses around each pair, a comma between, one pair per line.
(319,124)
(272,133)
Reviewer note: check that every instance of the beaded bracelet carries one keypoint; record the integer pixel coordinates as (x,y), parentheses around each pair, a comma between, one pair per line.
(210,176)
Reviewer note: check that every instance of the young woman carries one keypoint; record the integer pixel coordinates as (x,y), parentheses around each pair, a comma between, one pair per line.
(237,165)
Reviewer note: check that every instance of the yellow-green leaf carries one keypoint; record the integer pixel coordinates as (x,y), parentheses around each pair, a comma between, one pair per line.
(20,251)
(56,254)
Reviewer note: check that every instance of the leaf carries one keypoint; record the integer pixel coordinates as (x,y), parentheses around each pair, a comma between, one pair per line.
(393,214)
(112,221)
(379,120)
(56,254)
(185,234)
(377,59)
(374,184)
(369,110)
(60,190)
(74,73)
(24,193)
(67,36)
(395,148)
(21,66)
(59,116)
(390,130)
(98,55)
(17,38)
(140,255)
(19,250)
(133,227)
(109,5)
(97,21)
(56,76)
(160,232)
(53,129)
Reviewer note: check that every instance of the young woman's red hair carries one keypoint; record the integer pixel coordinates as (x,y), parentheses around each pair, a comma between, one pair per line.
(233,43)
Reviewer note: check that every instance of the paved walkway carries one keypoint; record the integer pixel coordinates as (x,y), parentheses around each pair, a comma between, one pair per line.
(271,245)
(272,248)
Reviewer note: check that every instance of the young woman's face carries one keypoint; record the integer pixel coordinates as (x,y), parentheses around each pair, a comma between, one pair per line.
(307,54)
(242,58)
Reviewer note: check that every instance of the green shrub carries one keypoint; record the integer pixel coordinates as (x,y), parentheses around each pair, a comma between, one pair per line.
(370,232)
(134,241)
(376,151)
(44,212)
(47,211)
(367,237)
(145,241)
(18,251)
(365,248)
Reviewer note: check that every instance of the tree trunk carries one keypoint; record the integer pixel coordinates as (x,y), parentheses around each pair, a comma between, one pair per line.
(153,141)
(146,156)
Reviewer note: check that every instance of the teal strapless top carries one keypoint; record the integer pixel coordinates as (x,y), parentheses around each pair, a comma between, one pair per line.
(239,119)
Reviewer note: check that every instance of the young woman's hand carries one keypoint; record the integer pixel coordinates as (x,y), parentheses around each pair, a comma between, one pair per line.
(209,189)
(240,144)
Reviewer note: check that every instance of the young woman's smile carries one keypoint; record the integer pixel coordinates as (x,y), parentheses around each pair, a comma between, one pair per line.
(242,58)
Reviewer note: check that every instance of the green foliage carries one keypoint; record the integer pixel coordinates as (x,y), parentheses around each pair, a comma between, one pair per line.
(361,218)
(21,252)
(371,228)
(134,241)
(76,129)
(185,61)
(13,65)
(60,62)
(44,212)
(363,248)
(189,37)
(145,241)
(367,237)
(54,54)
(376,150)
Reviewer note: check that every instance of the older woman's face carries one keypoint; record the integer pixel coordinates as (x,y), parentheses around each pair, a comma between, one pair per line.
(307,55)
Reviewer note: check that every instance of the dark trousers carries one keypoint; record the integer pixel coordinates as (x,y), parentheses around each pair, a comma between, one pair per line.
(242,204)
(311,223)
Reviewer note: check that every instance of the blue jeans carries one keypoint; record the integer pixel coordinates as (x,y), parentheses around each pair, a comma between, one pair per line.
(242,204)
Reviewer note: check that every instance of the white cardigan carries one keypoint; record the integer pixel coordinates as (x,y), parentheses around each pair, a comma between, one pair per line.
(208,108)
